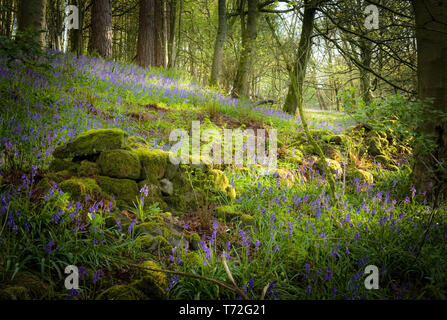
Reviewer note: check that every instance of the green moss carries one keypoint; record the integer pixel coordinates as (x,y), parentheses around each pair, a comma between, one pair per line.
(247,220)
(307,149)
(193,259)
(59,176)
(333,165)
(363,175)
(92,142)
(14,293)
(194,240)
(43,186)
(221,183)
(124,292)
(88,169)
(136,142)
(145,242)
(79,188)
(227,213)
(63,164)
(119,164)
(121,189)
(151,283)
(153,163)
(37,288)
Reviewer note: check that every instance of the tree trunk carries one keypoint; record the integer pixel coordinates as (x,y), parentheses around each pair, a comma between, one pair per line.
(55,25)
(303,54)
(240,88)
(219,44)
(172,37)
(158,33)
(165,34)
(365,81)
(31,16)
(145,45)
(101,32)
(430,166)
(76,36)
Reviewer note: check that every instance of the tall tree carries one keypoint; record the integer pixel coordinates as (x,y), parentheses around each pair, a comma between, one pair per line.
(431,35)
(145,46)
(248,32)
(219,44)
(101,32)
(302,57)
(158,33)
(172,47)
(54,22)
(76,35)
(31,16)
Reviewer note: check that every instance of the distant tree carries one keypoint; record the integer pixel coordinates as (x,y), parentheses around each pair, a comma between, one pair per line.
(219,43)
(302,57)
(248,32)
(101,28)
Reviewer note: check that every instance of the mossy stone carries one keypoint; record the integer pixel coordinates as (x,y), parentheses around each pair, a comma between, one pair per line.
(227,213)
(152,283)
(121,189)
(92,142)
(63,164)
(119,164)
(193,259)
(88,169)
(333,165)
(247,220)
(362,175)
(14,293)
(124,292)
(36,287)
(153,163)
(194,240)
(79,188)
(43,186)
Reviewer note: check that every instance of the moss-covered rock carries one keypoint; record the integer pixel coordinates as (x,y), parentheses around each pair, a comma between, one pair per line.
(14,293)
(58,177)
(227,213)
(286,177)
(124,292)
(221,183)
(152,283)
(194,241)
(79,188)
(307,149)
(44,185)
(88,169)
(377,143)
(36,287)
(247,220)
(296,157)
(92,142)
(122,189)
(119,164)
(153,163)
(63,164)
(193,259)
(333,165)
(362,175)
